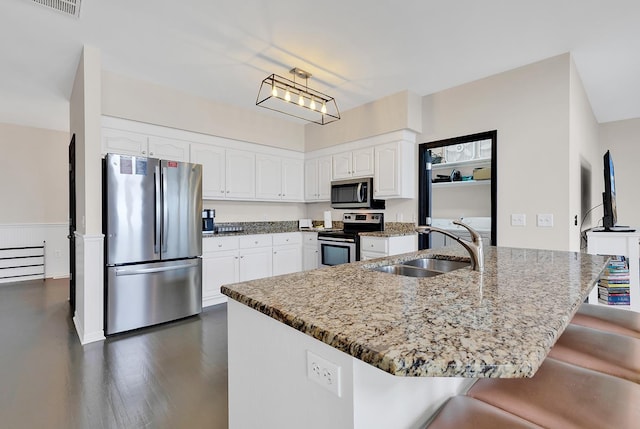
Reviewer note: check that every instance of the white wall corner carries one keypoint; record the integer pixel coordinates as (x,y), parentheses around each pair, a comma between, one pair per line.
(89,315)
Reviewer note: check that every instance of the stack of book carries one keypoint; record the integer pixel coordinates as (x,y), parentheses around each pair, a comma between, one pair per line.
(613,285)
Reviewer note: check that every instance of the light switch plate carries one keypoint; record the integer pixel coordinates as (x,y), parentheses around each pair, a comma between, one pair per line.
(544,220)
(518,219)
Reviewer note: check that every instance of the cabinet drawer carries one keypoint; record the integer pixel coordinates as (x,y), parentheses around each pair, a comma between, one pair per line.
(258,240)
(287,238)
(310,238)
(365,256)
(216,244)
(374,244)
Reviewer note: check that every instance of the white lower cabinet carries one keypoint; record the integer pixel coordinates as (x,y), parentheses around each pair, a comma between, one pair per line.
(378,247)
(309,251)
(220,265)
(227,260)
(287,257)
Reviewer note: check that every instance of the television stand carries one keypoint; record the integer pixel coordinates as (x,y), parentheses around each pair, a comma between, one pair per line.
(609,243)
(617,228)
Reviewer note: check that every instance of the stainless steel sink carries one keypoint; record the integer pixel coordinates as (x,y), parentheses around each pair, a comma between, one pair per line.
(405,270)
(423,267)
(439,265)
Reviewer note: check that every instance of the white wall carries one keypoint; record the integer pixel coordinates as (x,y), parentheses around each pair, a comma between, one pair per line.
(33,175)
(529,107)
(394,112)
(128,98)
(585,184)
(622,139)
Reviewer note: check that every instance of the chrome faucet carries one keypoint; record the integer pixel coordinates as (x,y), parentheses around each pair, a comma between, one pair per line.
(474,247)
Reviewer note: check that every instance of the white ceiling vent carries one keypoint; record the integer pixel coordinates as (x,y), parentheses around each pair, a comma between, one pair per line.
(68,7)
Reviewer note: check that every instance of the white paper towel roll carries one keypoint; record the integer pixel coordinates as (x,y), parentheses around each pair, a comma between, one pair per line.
(327,219)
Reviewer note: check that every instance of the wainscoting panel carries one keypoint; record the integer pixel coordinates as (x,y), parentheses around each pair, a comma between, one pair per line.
(56,258)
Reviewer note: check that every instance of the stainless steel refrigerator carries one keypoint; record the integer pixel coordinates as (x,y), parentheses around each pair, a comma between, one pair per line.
(153,241)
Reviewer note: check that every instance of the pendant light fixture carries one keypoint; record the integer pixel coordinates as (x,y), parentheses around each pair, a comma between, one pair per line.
(275,93)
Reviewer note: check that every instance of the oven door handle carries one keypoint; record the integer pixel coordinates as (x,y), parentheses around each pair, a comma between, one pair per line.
(339,240)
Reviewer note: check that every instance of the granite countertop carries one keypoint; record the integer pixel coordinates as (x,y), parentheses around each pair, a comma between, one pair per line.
(386,233)
(500,323)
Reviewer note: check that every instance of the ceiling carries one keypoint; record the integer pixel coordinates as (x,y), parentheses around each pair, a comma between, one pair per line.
(357,50)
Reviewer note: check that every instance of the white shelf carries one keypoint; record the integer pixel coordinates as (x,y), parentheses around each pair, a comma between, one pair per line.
(486,162)
(461,183)
(618,243)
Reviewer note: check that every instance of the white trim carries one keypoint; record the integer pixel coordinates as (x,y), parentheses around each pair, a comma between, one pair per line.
(88,318)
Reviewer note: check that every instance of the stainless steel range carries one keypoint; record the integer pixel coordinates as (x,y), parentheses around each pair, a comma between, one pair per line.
(341,247)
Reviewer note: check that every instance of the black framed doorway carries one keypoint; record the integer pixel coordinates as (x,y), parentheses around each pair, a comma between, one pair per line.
(424,177)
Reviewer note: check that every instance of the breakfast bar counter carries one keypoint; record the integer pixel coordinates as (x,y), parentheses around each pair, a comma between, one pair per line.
(423,339)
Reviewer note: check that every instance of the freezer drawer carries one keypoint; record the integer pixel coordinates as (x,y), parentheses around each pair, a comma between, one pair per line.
(147,294)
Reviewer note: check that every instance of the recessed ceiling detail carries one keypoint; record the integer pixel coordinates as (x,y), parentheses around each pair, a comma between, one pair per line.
(68,7)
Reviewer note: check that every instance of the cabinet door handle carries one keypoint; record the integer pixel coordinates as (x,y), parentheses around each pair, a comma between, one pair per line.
(275,253)
(222,191)
(144,152)
(219,245)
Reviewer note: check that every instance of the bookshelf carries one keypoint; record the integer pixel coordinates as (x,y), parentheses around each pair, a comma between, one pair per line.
(624,244)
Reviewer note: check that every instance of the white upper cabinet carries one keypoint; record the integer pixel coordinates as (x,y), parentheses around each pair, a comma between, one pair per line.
(395,167)
(292,179)
(240,174)
(268,177)
(135,144)
(279,178)
(213,163)
(124,142)
(169,149)
(317,179)
(357,163)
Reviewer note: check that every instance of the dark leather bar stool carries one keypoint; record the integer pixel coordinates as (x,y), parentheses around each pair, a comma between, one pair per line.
(601,351)
(561,395)
(608,319)
(463,412)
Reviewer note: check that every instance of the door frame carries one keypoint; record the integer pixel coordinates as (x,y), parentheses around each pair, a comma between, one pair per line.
(424,180)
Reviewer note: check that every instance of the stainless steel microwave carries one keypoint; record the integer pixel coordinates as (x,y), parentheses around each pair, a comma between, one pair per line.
(354,194)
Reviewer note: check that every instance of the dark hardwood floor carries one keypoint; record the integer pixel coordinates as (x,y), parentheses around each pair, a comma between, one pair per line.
(169,376)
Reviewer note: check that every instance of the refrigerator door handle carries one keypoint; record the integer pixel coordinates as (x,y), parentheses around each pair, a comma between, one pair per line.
(133,272)
(157,221)
(165,211)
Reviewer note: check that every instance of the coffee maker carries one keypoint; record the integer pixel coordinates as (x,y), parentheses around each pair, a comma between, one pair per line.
(208,225)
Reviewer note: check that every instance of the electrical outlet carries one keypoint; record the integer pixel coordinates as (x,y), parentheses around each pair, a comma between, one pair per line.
(518,219)
(324,373)
(544,220)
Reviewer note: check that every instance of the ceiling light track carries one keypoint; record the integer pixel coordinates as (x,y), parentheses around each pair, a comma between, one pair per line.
(296,99)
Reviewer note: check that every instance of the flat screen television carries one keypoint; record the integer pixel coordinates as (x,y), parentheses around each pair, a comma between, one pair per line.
(610,217)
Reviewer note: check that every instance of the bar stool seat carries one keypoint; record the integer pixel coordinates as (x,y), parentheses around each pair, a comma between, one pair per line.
(463,412)
(561,395)
(601,351)
(608,319)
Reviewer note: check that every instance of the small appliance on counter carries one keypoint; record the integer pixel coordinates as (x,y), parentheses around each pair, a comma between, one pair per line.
(208,223)
(304,223)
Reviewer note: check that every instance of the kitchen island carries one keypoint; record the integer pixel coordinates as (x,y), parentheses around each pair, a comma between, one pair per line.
(396,346)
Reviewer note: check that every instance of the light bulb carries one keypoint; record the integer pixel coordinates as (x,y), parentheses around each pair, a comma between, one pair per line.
(323,109)
(312,105)
(300,100)
(287,95)
(274,91)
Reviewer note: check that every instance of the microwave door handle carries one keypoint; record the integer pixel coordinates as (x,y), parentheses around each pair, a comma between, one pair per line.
(359,192)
